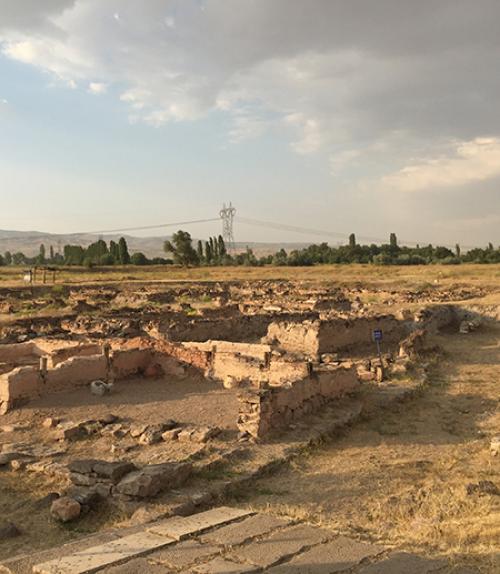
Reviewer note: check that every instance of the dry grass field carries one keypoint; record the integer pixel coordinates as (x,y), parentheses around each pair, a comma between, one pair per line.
(414,275)
(401,478)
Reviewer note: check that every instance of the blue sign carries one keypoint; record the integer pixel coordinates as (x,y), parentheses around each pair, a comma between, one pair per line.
(377,334)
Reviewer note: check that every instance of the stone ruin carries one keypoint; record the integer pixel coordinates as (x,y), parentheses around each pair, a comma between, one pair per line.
(283,351)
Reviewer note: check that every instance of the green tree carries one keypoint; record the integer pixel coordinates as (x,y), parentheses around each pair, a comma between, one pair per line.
(73,254)
(41,254)
(19,258)
(216,250)
(138,258)
(8,258)
(201,257)
(96,253)
(208,252)
(114,251)
(280,258)
(222,251)
(393,241)
(352,240)
(123,254)
(51,254)
(181,248)
(457,250)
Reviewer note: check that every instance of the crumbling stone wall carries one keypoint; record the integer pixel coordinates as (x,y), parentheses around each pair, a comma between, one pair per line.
(238,328)
(236,363)
(295,337)
(129,362)
(263,410)
(18,385)
(60,355)
(26,382)
(73,372)
(437,317)
(314,338)
(341,334)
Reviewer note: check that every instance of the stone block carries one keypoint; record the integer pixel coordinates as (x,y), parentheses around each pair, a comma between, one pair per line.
(113,471)
(154,478)
(336,556)
(184,554)
(181,527)
(98,557)
(281,545)
(223,566)
(65,509)
(240,532)
(404,562)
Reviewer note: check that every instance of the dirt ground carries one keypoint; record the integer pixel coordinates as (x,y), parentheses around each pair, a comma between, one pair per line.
(401,478)
(140,400)
(134,401)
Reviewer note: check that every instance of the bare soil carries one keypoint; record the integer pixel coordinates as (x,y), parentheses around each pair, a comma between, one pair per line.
(136,401)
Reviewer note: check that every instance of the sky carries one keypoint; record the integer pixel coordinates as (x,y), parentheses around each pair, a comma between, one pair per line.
(343,116)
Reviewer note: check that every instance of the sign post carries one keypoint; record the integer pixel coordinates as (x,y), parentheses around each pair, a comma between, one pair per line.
(377,336)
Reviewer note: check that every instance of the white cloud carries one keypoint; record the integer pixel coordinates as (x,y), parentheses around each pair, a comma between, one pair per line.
(341,160)
(97,88)
(333,81)
(467,162)
(246,126)
(3,101)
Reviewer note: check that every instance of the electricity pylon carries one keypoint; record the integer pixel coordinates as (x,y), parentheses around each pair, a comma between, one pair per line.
(227,215)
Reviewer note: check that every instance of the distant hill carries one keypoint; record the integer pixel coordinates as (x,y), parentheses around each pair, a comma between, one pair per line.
(29,243)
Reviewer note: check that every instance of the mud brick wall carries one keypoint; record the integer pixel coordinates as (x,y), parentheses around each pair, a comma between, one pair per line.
(17,386)
(341,334)
(262,411)
(313,338)
(197,358)
(16,351)
(74,372)
(234,363)
(239,328)
(60,355)
(129,362)
(295,337)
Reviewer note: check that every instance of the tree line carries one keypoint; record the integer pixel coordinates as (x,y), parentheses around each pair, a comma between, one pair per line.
(213,252)
(97,253)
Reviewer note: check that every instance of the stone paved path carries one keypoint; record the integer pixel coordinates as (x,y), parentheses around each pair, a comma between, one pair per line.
(227,540)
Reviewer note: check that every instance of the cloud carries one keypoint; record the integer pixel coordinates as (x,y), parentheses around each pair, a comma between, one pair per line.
(468,162)
(97,88)
(335,77)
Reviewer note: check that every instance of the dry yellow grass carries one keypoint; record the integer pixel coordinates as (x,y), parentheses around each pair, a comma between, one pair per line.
(396,276)
(401,478)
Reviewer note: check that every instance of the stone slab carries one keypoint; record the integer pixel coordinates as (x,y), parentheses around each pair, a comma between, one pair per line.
(137,566)
(281,545)
(97,557)
(222,566)
(23,564)
(235,534)
(184,554)
(335,556)
(181,527)
(404,562)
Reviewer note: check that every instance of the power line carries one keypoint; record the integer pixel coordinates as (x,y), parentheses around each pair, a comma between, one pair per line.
(324,233)
(144,227)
